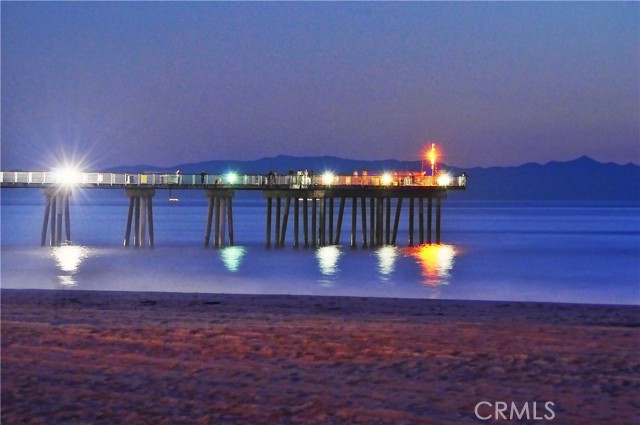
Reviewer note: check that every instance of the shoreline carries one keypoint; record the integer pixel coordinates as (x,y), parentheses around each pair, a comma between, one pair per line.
(147,357)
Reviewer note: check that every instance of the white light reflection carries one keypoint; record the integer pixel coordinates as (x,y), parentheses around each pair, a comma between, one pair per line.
(436,262)
(328,259)
(387,256)
(232,257)
(68,259)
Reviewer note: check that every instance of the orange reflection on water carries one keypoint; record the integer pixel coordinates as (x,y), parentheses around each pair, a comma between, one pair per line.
(436,262)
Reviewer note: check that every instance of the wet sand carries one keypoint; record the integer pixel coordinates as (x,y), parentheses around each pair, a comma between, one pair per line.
(76,357)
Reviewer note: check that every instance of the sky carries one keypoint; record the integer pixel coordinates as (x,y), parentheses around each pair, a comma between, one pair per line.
(164,83)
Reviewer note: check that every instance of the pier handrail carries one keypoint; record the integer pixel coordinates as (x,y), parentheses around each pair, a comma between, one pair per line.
(296,180)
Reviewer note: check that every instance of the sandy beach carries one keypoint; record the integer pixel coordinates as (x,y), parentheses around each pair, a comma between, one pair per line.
(81,357)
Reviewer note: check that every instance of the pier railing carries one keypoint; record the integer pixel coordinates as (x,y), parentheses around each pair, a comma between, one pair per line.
(298,180)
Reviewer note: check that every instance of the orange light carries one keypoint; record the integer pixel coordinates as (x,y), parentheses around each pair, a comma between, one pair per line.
(435,261)
(386,179)
(432,156)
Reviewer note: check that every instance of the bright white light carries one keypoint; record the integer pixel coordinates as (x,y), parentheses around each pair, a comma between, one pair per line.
(232,177)
(328,178)
(444,179)
(68,176)
(386,179)
(328,259)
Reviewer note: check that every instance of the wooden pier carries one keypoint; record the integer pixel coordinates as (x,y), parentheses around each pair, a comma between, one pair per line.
(317,203)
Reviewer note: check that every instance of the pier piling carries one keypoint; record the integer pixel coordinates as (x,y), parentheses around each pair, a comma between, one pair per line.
(354,219)
(429,218)
(296,221)
(305,219)
(269,205)
(220,217)
(55,213)
(336,240)
(411,220)
(438,219)
(388,221)
(363,202)
(140,208)
(372,222)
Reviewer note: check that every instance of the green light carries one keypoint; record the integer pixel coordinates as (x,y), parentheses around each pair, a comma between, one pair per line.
(232,177)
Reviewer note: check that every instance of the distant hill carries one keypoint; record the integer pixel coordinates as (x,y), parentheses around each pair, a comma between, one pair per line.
(579,179)
(283,164)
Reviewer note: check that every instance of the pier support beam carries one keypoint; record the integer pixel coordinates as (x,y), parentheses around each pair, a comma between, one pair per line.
(411,202)
(220,217)
(372,222)
(363,201)
(421,219)
(216,207)
(278,211)
(285,220)
(336,240)
(296,221)
(438,220)
(314,208)
(140,208)
(56,209)
(305,219)
(388,221)
(269,204)
(379,221)
(354,219)
(396,221)
(323,224)
(230,218)
(331,207)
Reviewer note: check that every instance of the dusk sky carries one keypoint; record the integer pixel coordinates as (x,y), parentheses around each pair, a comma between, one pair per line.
(166,83)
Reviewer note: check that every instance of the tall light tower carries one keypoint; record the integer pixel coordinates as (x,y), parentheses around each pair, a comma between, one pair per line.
(432,155)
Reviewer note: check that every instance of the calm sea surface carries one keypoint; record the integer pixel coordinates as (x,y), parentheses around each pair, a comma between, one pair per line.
(562,252)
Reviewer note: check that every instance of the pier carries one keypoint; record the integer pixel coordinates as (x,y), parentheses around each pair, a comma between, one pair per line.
(317,203)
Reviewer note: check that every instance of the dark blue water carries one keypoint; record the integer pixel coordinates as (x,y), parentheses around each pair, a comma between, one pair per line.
(563,252)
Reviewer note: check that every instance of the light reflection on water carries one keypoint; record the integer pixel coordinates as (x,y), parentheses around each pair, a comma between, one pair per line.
(387,256)
(68,260)
(328,257)
(232,257)
(435,261)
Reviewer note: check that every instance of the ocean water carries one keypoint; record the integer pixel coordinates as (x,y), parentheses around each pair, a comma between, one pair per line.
(517,251)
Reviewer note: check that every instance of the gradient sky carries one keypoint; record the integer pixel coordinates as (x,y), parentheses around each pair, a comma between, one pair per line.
(167,83)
